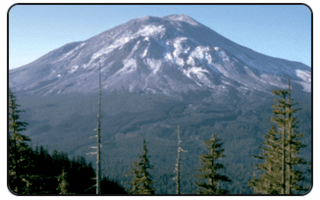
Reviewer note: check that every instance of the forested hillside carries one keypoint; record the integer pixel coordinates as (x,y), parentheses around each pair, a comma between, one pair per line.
(120,150)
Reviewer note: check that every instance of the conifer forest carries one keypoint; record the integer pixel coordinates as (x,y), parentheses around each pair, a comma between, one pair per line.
(278,167)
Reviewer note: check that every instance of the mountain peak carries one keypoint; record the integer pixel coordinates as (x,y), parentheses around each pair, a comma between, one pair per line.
(167,54)
(181,17)
(169,18)
(146,18)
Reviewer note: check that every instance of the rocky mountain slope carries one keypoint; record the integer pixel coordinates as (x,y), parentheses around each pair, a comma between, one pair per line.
(157,55)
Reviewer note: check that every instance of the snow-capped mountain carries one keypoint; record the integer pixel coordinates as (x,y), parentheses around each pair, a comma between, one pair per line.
(157,55)
(162,72)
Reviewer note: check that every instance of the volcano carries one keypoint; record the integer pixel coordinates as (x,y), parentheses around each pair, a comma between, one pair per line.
(158,73)
(157,55)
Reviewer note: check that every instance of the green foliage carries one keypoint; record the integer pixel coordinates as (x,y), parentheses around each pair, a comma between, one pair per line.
(209,169)
(279,170)
(126,119)
(63,183)
(269,182)
(34,171)
(141,183)
(57,174)
(19,152)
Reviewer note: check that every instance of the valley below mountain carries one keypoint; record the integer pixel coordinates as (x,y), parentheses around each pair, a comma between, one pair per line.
(66,123)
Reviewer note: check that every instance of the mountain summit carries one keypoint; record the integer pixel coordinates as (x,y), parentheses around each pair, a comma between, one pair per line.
(157,55)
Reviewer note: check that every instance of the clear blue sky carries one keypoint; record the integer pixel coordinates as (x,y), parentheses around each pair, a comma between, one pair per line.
(282,31)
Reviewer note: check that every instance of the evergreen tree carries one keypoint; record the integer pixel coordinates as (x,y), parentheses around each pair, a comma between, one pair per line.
(209,169)
(141,183)
(63,187)
(279,173)
(18,149)
(271,181)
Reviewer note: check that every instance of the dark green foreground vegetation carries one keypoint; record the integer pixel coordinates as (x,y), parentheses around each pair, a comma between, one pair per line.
(237,176)
(35,171)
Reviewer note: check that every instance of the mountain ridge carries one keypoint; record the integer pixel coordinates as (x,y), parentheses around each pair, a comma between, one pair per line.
(171,54)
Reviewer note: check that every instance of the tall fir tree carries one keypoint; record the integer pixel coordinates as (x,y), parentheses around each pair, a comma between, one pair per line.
(19,150)
(209,176)
(142,180)
(279,170)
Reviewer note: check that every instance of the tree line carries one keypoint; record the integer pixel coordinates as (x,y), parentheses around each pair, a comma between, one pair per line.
(278,167)
(35,171)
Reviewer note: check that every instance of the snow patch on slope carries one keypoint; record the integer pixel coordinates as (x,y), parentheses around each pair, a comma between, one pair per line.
(65,55)
(154,65)
(117,43)
(304,75)
(129,66)
(145,31)
(73,69)
(144,53)
(199,73)
(150,30)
